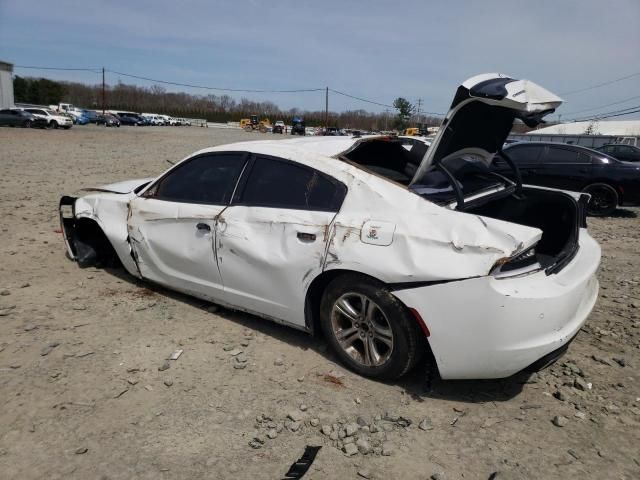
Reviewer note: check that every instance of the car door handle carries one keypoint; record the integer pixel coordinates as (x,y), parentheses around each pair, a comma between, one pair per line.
(306,237)
(203,226)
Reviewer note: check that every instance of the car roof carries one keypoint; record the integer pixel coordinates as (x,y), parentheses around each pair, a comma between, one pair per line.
(553,144)
(315,152)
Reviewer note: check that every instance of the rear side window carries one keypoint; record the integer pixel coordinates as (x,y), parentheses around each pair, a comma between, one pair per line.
(524,155)
(283,184)
(562,155)
(208,179)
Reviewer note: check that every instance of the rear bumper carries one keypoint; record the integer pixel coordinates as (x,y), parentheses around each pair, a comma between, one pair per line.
(489,328)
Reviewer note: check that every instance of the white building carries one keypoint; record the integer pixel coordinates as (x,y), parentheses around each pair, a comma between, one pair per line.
(619,128)
(6,85)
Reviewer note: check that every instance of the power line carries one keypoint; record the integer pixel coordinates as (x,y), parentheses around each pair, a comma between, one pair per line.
(361,99)
(603,106)
(603,84)
(614,113)
(95,70)
(378,103)
(204,87)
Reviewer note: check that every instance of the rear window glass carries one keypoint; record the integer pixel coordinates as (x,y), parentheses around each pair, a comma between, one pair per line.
(278,183)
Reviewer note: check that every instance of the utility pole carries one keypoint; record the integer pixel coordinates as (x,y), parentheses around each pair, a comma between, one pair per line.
(326,108)
(103,92)
(386,119)
(419,110)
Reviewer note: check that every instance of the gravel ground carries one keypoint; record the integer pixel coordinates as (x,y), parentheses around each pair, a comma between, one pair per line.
(83,396)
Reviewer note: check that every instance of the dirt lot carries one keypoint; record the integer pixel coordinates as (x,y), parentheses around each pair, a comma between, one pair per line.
(82,396)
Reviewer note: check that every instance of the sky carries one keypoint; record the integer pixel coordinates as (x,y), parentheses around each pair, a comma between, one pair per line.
(377,50)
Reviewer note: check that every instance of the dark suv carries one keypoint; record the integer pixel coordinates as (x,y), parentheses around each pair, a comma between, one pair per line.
(297,126)
(626,153)
(610,182)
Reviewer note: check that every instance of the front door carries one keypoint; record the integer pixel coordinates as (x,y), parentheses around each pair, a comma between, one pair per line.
(172,225)
(272,240)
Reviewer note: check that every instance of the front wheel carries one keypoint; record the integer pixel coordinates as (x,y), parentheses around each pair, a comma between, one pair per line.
(603,201)
(28,124)
(54,124)
(371,331)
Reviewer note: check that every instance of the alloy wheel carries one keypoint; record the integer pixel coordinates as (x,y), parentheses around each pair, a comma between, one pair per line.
(362,329)
(603,200)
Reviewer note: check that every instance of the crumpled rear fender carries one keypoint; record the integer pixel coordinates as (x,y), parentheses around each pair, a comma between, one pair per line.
(418,241)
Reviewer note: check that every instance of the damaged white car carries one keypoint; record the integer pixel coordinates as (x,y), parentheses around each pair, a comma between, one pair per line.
(394,255)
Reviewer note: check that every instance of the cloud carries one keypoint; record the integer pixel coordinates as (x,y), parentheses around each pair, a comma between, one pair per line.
(373,49)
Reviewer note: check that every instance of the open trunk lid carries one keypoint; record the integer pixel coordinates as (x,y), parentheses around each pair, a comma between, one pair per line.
(481,117)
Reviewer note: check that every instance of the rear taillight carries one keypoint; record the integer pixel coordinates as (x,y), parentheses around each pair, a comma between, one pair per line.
(521,263)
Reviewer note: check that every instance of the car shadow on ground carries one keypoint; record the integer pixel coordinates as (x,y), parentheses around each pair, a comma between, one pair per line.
(624,213)
(417,384)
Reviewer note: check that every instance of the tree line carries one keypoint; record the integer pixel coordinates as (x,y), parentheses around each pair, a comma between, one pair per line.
(215,108)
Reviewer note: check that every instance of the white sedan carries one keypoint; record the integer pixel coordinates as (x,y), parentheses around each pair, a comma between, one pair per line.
(394,255)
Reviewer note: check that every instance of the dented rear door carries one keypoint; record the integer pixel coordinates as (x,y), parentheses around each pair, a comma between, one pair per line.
(272,240)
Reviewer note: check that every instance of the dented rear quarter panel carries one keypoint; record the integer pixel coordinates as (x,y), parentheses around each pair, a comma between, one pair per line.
(429,243)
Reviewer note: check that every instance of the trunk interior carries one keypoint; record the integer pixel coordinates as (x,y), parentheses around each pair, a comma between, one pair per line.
(557,214)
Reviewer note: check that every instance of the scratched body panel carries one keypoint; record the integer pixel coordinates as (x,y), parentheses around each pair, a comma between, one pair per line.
(268,257)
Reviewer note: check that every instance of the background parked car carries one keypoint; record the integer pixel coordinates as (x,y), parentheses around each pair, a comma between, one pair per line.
(91,115)
(81,120)
(297,126)
(53,119)
(609,181)
(107,120)
(129,119)
(20,118)
(278,127)
(627,153)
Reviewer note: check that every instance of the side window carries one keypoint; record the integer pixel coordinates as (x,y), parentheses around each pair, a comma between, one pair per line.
(525,155)
(208,179)
(283,184)
(562,155)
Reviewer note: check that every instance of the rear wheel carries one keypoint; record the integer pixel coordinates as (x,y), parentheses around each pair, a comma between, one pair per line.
(53,124)
(27,124)
(603,201)
(368,328)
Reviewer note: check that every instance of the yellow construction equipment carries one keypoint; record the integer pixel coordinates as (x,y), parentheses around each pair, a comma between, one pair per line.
(252,124)
(412,131)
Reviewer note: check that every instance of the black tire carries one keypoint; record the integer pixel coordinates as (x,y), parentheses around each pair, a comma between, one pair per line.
(604,199)
(27,124)
(53,124)
(407,341)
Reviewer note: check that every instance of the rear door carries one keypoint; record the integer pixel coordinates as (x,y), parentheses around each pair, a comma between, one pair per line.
(172,225)
(564,167)
(272,240)
(627,153)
